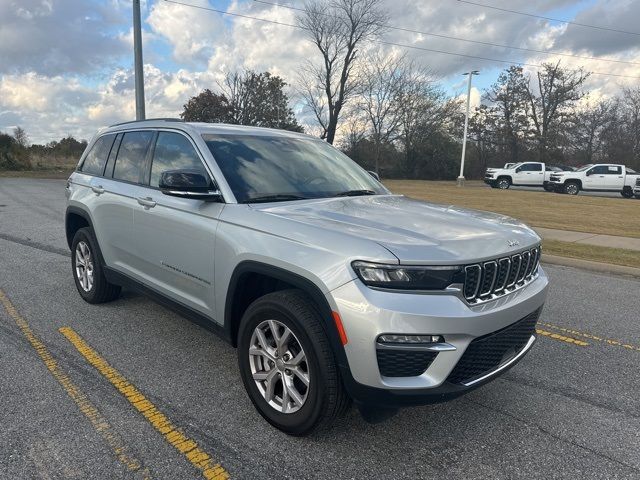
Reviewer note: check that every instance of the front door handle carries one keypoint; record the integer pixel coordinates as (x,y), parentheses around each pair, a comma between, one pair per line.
(146,202)
(98,190)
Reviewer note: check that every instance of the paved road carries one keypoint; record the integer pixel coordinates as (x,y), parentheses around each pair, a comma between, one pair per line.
(566,411)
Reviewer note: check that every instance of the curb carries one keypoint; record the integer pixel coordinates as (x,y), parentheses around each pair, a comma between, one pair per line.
(591,266)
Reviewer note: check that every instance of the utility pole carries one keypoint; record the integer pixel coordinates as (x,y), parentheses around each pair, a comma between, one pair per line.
(466,125)
(137,55)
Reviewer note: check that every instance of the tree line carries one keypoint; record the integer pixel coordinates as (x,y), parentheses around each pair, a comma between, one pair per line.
(392,116)
(17,153)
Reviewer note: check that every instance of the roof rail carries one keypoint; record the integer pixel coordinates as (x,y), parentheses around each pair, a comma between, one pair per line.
(161,119)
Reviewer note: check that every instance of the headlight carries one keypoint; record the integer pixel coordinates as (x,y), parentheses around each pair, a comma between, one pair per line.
(408,277)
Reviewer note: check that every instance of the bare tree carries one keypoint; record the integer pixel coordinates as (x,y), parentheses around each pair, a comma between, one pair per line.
(382,85)
(509,108)
(558,90)
(21,137)
(338,29)
(588,130)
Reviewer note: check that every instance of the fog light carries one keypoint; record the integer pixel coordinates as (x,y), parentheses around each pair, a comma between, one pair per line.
(409,339)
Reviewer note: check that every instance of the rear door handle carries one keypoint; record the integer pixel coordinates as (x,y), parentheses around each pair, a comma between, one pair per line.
(146,202)
(98,190)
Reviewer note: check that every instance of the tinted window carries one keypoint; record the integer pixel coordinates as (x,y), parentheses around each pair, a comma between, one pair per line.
(260,166)
(108,172)
(531,167)
(97,157)
(131,155)
(174,152)
(606,170)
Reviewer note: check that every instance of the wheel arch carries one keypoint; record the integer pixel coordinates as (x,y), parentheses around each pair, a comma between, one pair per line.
(75,219)
(577,181)
(251,280)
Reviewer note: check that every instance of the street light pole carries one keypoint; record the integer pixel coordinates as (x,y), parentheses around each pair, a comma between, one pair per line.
(466,125)
(137,55)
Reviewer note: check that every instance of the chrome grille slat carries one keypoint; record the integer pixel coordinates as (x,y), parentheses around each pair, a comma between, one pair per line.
(495,278)
(526,258)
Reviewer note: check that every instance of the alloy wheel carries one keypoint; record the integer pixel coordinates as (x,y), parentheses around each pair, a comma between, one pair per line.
(84,266)
(279,366)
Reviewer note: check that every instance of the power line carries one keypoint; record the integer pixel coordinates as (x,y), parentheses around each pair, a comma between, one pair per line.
(480,42)
(548,18)
(413,47)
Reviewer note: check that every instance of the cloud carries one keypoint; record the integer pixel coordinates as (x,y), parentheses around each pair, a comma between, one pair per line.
(54,38)
(193,33)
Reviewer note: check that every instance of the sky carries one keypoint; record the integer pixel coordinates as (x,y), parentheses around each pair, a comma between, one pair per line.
(66,66)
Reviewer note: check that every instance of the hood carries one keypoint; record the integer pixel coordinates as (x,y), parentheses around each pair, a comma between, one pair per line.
(414,231)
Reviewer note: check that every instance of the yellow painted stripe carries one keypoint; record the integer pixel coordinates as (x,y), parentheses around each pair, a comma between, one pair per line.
(186,446)
(562,338)
(98,421)
(608,341)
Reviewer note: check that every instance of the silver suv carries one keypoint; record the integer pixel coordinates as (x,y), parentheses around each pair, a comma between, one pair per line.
(331,288)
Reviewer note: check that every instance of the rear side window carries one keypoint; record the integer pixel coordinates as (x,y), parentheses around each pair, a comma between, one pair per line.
(96,159)
(131,156)
(174,151)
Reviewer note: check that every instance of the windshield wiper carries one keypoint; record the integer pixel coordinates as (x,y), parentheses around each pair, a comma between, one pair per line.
(276,197)
(355,193)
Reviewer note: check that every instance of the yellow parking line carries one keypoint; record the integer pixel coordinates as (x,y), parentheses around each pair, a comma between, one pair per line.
(608,341)
(562,338)
(186,446)
(98,421)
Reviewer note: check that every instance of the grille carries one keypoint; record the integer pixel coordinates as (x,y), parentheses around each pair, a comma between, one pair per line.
(485,354)
(638,182)
(403,363)
(554,178)
(494,278)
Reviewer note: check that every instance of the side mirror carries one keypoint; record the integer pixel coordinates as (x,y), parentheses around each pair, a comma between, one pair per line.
(188,184)
(374,175)
(518,170)
(589,172)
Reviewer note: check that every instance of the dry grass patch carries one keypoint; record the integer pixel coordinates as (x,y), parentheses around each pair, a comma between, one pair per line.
(49,173)
(616,256)
(609,216)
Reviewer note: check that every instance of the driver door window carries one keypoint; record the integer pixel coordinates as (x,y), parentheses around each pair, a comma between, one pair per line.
(174,151)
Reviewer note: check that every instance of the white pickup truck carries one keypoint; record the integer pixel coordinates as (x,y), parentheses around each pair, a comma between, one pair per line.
(600,177)
(527,174)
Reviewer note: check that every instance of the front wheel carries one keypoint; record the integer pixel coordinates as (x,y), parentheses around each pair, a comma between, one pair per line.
(549,188)
(503,183)
(571,188)
(287,365)
(627,192)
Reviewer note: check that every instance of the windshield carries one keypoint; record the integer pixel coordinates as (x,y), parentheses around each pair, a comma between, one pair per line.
(276,168)
(584,167)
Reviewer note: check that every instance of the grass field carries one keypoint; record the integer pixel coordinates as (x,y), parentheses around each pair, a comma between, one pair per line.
(616,256)
(40,173)
(609,216)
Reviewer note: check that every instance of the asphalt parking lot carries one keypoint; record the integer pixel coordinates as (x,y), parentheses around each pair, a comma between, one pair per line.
(78,383)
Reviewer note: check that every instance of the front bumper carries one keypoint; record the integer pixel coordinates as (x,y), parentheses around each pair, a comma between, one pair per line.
(367,313)
(489,181)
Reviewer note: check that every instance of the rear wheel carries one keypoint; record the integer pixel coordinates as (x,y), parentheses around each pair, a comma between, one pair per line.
(503,183)
(287,365)
(571,188)
(88,272)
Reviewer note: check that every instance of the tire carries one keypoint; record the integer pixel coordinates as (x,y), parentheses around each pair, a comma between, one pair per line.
(89,277)
(503,183)
(324,399)
(549,188)
(637,196)
(571,188)
(627,192)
